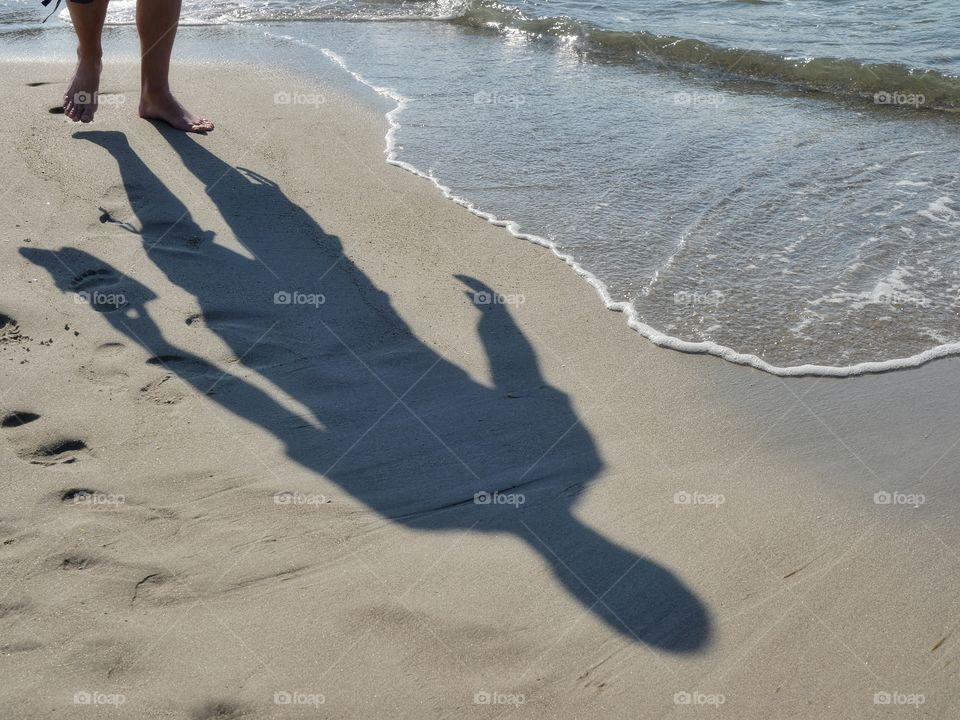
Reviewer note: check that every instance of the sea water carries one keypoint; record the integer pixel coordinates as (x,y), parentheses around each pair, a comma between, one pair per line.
(776,182)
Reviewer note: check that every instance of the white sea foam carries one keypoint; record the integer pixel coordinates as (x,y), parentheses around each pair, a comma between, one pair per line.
(940,211)
(937,210)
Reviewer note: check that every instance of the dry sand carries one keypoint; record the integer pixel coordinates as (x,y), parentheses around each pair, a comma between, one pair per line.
(212,502)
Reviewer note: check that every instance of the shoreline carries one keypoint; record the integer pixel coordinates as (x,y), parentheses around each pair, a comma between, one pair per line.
(212,409)
(647,332)
(631,316)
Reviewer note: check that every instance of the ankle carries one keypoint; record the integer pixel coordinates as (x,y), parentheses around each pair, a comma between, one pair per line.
(90,56)
(154,92)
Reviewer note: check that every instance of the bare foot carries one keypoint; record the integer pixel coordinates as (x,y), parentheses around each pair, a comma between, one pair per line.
(80,100)
(164,106)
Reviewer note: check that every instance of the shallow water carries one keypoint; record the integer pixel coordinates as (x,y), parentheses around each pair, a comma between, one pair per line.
(768,206)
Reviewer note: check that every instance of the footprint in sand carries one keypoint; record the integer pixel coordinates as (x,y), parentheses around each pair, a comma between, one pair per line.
(230,320)
(74,562)
(10,330)
(107,366)
(122,197)
(18,418)
(166,237)
(251,331)
(55,451)
(163,391)
(219,710)
(62,451)
(77,495)
(13,609)
(170,387)
(96,278)
(159,234)
(112,365)
(180,365)
(97,288)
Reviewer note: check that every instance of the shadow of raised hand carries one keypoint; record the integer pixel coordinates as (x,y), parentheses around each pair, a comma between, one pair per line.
(407,432)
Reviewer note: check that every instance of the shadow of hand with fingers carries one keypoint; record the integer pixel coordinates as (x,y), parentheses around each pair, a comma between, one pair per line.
(404,431)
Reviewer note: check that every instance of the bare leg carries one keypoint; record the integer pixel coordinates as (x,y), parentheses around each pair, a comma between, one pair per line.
(80,100)
(157,24)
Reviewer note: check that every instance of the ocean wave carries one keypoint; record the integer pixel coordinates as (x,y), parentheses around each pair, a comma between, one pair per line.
(634,321)
(884,83)
(229,12)
(889,84)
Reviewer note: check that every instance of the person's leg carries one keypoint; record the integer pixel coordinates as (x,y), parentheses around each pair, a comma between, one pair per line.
(157,24)
(80,100)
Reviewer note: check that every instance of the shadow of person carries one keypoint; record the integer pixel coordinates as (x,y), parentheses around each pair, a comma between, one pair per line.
(401,429)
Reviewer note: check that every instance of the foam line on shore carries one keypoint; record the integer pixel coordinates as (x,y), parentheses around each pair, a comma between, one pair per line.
(655,336)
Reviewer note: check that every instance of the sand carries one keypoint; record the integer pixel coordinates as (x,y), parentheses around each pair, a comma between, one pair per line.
(287,434)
